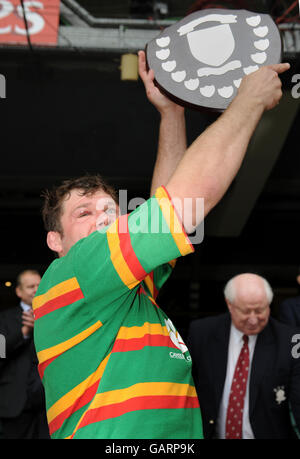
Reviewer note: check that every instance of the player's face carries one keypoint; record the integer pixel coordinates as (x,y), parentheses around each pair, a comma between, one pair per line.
(82,215)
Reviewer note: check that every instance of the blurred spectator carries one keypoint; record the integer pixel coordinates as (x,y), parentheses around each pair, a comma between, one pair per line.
(22,402)
(289,309)
(246,375)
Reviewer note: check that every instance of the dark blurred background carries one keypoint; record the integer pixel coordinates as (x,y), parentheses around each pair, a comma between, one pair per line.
(67,112)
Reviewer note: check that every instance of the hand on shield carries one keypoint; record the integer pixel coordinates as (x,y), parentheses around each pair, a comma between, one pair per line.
(159,100)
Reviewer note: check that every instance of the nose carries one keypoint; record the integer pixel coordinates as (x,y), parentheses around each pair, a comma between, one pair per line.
(101,219)
(253,320)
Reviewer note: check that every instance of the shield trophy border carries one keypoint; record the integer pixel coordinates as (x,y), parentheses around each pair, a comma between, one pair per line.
(199,107)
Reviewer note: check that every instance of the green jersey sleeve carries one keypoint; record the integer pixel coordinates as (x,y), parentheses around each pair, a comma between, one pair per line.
(134,246)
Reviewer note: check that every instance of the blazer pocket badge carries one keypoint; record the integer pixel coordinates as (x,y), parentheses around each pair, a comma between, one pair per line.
(279,394)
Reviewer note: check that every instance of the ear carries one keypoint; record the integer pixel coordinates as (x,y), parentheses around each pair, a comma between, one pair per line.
(54,241)
(298,279)
(18,293)
(228,305)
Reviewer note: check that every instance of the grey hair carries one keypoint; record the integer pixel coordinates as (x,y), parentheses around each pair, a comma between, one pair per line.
(230,291)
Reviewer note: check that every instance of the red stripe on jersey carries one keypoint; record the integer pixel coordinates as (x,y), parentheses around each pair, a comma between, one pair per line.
(127,251)
(58,302)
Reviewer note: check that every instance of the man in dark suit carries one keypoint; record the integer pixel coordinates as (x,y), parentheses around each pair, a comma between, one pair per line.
(289,309)
(246,373)
(22,402)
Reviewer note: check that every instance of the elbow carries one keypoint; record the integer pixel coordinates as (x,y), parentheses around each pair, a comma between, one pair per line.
(210,192)
(196,201)
(208,197)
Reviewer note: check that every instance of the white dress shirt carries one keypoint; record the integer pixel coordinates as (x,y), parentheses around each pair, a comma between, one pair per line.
(25,306)
(234,349)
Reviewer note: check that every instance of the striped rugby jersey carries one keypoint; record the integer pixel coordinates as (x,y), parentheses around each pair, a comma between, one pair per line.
(112,363)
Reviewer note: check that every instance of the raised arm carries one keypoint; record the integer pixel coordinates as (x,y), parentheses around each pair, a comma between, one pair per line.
(172,133)
(212,161)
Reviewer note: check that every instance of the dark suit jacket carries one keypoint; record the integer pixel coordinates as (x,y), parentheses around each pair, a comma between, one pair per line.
(272,366)
(289,311)
(20,384)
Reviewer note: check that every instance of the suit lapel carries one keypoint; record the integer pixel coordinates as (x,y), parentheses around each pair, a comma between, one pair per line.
(219,351)
(18,312)
(262,357)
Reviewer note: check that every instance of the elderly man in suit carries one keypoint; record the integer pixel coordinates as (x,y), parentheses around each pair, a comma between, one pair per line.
(246,375)
(22,403)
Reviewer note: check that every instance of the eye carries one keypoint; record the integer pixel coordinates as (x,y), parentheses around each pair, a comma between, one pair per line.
(84,213)
(110,210)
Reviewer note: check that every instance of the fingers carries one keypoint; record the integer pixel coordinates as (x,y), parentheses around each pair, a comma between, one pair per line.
(142,64)
(28,313)
(142,59)
(28,318)
(28,324)
(146,76)
(280,68)
(264,85)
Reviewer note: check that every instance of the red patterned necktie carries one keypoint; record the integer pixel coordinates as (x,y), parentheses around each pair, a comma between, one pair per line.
(234,419)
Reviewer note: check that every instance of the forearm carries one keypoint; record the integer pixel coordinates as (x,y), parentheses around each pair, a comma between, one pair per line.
(218,153)
(171,146)
(210,164)
(172,133)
